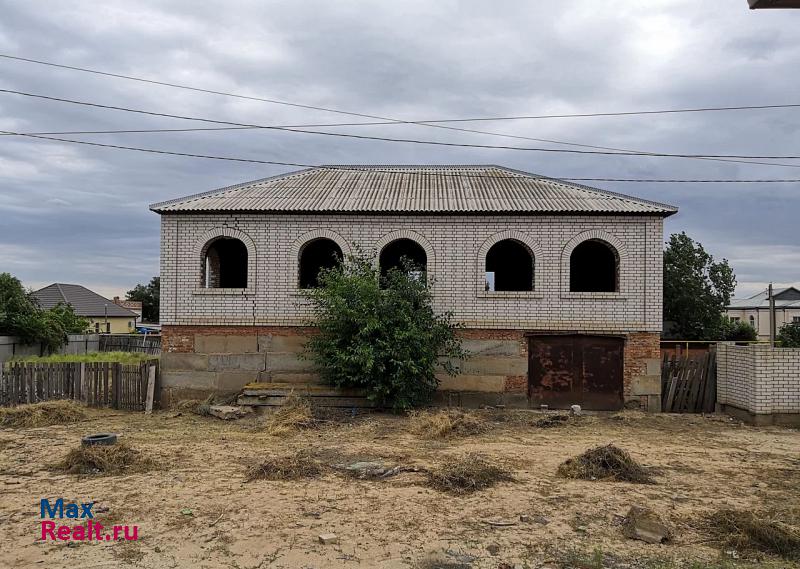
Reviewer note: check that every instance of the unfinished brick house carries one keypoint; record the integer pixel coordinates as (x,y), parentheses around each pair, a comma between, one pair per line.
(558,285)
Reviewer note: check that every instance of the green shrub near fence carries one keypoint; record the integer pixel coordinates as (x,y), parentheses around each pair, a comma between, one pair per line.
(112,357)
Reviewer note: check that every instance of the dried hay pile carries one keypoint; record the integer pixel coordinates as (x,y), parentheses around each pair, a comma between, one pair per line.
(294,415)
(44,414)
(448,423)
(118,458)
(467,473)
(285,467)
(605,463)
(746,531)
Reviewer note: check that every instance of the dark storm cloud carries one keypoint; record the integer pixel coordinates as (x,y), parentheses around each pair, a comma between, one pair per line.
(79,214)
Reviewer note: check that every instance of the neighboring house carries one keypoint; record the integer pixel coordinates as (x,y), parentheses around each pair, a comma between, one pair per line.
(755,310)
(104,316)
(134,306)
(558,285)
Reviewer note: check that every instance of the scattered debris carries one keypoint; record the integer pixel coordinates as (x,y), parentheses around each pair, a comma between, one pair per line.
(286,467)
(99,439)
(645,525)
(295,414)
(746,531)
(328,538)
(467,473)
(500,523)
(228,412)
(549,421)
(44,414)
(187,512)
(106,459)
(447,423)
(575,410)
(493,549)
(373,470)
(605,463)
(442,558)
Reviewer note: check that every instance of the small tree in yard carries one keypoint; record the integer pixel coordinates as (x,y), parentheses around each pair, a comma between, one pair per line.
(21,315)
(380,334)
(789,335)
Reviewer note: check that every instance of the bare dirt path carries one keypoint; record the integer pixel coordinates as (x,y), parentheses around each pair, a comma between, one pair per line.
(703,464)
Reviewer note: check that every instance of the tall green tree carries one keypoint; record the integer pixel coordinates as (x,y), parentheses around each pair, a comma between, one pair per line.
(381,333)
(21,316)
(696,289)
(149,296)
(789,335)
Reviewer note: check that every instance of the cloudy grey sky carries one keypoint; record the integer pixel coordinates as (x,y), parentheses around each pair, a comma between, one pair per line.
(72,213)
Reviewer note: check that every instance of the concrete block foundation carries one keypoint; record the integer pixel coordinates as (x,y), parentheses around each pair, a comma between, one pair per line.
(200,360)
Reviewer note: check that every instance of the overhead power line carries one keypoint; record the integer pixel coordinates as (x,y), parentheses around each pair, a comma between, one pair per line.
(388,169)
(386,139)
(432,124)
(398,121)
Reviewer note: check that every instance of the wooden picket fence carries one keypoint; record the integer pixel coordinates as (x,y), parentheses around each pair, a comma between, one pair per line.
(689,384)
(131,387)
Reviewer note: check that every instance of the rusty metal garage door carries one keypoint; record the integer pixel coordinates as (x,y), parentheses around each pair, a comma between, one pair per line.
(582,370)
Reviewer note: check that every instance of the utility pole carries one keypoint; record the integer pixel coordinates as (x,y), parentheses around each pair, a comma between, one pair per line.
(771,316)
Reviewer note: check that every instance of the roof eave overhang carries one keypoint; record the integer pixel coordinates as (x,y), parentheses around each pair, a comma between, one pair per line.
(407,212)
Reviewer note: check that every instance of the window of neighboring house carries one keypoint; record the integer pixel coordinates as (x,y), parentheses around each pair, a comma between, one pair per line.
(316,255)
(735,318)
(97,327)
(594,267)
(753,321)
(796,319)
(225,264)
(509,267)
(393,255)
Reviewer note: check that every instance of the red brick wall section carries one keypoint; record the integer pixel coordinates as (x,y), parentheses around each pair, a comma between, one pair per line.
(639,347)
(517,383)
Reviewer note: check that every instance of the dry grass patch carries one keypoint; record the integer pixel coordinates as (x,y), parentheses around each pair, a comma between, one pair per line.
(467,473)
(294,415)
(42,414)
(605,463)
(746,531)
(285,467)
(448,423)
(118,458)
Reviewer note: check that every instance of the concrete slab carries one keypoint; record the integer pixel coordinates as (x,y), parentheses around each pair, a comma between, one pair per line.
(482,348)
(653,366)
(232,362)
(225,344)
(291,344)
(287,362)
(234,380)
(173,361)
(189,379)
(482,383)
(498,365)
(646,385)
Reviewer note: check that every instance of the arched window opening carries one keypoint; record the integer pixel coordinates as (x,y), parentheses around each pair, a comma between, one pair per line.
(509,267)
(393,255)
(594,267)
(316,255)
(225,264)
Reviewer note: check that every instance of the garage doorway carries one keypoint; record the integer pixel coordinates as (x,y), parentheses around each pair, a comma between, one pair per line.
(565,370)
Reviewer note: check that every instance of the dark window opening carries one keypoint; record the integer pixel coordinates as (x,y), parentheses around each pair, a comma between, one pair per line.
(509,267)
(225,264)
(395,253)
(315,256)
(594,267)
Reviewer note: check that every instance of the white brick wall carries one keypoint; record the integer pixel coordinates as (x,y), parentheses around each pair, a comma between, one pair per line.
(455,245)
(759,379)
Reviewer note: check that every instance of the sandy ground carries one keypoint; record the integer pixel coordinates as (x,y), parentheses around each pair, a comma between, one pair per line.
(705,463)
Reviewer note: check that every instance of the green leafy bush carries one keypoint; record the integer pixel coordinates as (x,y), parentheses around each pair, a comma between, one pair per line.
(380,333)
(737,331)
(789,335)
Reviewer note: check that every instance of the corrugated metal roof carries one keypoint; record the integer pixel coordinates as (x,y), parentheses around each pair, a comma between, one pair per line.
(784,298)
(83,301)
(412,189)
